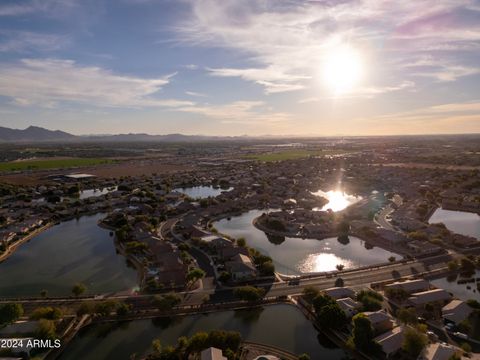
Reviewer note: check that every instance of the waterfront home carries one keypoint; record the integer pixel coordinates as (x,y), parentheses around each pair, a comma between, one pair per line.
(349,306)
(6,236)
(391,341)
(410,286)
(216,242)
(212,354)
(456,311)
(339,293)
(228,252)
(437,296)
(439,351)
(241,267)
(381,321)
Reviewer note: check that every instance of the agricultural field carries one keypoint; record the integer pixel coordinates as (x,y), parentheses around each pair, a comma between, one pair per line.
(54,163)
(293,154)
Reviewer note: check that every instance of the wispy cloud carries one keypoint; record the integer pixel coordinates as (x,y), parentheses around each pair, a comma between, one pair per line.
(27,41)
(194,93)
(287,41)
(47,82)
(239,112)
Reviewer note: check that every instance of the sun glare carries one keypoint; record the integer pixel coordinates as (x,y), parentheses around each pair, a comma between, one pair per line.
(342,69)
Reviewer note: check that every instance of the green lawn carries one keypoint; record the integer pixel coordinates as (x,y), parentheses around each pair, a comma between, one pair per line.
(51,164)
(293,154)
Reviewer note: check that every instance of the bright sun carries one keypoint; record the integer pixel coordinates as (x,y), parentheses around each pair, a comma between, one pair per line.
(342,69)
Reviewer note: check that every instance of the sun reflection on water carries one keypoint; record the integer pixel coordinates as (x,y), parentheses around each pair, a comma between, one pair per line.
(321,262)
(337,200)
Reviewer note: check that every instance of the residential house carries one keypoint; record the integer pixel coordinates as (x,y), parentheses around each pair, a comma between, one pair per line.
(349,306)
(456,311)
(339,292)
(438,351)
(438,296)
(212,354)
(241,267)
(381,321)
(410,286)
(391,341)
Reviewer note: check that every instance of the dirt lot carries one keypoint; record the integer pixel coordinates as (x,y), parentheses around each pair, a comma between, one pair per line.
(127,168)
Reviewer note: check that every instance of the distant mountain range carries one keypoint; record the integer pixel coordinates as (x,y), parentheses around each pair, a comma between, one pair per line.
(39,134)
(34,133)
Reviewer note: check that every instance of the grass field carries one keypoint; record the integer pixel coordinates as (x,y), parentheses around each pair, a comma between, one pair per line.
(293,154)
(44,164)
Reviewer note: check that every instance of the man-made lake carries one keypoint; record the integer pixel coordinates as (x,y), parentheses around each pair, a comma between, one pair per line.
(295,256)
(202,192)
(460,222)
(461,291)
(282,325)
(67,253)
(337,200)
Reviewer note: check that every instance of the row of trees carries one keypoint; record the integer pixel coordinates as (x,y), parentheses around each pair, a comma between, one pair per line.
(228,341)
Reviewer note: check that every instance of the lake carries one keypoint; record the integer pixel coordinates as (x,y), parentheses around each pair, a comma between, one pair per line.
(460,222)
(278,325)
(67,253)
(294,256)
(201,192)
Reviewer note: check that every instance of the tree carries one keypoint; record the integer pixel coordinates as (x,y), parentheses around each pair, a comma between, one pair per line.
(194,275)
(167,302)
(43,293)
(322,300)
(397,294)
(46,330)
(340,267)
(392,259)
(452,265)
(10,313)
(331,316)
(371,300)
(225,276)
(362,333)
(249,293)
(304,357)
(267,268)
(47,312)
(309,293)
(466,347)
(407,316)
(414,342)
(78,289)
(123,309)
(85,308)
(105,308)
(241,242)
(339,282)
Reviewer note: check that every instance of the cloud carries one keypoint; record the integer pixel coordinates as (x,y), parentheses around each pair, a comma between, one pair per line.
(26,41)
(285,42)
(193,93)
(48,7)
(47,82)
(238,112)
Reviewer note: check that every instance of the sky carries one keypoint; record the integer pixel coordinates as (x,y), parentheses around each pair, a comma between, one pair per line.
(230,67)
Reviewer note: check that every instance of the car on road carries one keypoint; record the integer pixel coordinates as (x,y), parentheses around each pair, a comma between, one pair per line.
(460,335)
